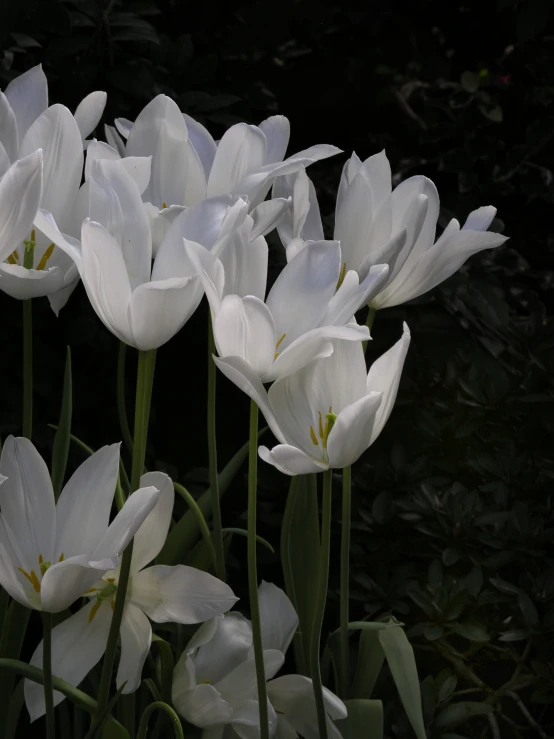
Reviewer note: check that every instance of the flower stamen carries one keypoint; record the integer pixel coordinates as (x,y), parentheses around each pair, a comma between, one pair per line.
(313,437)
(94,610)
(32,578)
(45,257)
(279,342)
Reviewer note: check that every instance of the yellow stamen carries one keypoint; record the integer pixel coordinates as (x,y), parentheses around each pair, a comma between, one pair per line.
(33,235)
(341,275)
(90,590)
(62,557)
(313,437)
(164,204)
(94,610)
(206,682)
(32,578)
(110,579)
(40,559)
(13,258)
(278,344)
(45,257)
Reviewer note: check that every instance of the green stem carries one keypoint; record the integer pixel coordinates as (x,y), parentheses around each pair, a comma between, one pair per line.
(47,672)
(145,378)
(219,551)
(121,410)
(321,599)
(253,572)
(27,368)
(344,671)
(160,706)
(369,323)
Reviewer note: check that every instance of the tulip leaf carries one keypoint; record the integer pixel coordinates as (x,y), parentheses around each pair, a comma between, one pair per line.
(98,722)
(15,705)
(173,718)
(299,554)
(11,643)
(370,661)
(167,664)
(185,533)
(244,532)
(112,728)
(60,450)
(364,720)
(401,661)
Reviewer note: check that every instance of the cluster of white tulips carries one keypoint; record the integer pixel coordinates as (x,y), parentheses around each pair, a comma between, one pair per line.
(151,220)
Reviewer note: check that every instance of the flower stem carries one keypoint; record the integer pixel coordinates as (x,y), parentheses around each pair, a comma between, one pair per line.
(253,573)
(321,599)
(369,323)
(27,368)
(47,672)
(121,410)
(344,672)
(217,533)
(145,378)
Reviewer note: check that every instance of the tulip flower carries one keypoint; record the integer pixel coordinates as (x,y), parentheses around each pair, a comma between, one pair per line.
(51,553)
(188,165)
(179,594)
(20,191)
(214,685)
(376,224)
(143,304)
(329,412)
(303,311)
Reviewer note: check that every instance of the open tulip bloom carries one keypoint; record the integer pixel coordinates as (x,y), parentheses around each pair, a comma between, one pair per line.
(28,124)
(376,224)
(51,553)
(303,311)
(214,685)
(20,192)
(329,412)
(179,594)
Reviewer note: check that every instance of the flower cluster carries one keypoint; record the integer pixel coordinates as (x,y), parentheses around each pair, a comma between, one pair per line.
(151,220)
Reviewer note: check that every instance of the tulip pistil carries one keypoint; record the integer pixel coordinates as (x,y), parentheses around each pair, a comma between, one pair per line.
(323,428)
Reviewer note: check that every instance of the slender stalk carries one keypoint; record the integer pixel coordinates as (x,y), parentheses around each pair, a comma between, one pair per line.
(344,671)
(121,410)
(145,378)
(253,572)
(173,717)
(369,323)
(319,610)
(47,672)
(217,533)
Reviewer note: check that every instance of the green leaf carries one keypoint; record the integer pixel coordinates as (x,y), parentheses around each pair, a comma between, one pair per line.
(470,81)
(60,450)
(370,661)
(299,554)
(401,661)
(447,688)
(185,533)
(167,663)
(244,532)
(473,631)
(457,713)
(364,720)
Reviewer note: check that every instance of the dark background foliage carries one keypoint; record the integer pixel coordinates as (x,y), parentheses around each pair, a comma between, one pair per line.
(453,506)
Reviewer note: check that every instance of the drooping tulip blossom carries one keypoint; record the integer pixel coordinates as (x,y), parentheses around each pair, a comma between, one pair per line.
(376,224)
(159,593)
(20,191)
(143,303)
(326,414)
(51,553)
(28,124)
(303,311)
(214,685)
(188,165)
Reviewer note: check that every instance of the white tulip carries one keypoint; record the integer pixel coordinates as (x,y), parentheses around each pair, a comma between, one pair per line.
(376,224)
(50,553)
(143,303)
(20,191)
(180,594)
(28,124)
(326,414)
(215,688)
(303,310)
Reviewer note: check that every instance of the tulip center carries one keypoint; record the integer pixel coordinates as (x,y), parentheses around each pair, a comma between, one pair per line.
(32,576)
(106,591)
(29,252)
(324,429)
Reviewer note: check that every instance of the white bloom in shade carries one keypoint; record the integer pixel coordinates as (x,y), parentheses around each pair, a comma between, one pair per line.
(50,553)
(179,594)
(188,165)
(28,124)
(376,224)
(20,191)
(303,310)
(326,414)
(214,685)
(143,303)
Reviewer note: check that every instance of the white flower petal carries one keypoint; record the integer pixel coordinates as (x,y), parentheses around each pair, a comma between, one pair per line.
(202,706)
(241,683)
(278,617)
(229,647)
(139,168)
(246,720)
(136,638)
(151,536)
(181,594)
(160,221)
(268,215)
(99,150)
(290,460)
(242,149)
(64,582)
(203,143)
(352,295)
(8,572)
(352,433)
(22,284)
(46,224)
(245,263)
(78,644)
(89,111)
(276,129)
(4,160)
(83,508)
(28,97)
(114,139)
(480,219)
(210,273)
(20,193)
(8,129)
(123,126)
